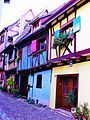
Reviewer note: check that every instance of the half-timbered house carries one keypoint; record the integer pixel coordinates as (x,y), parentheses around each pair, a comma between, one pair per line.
(34,72)
(69,52)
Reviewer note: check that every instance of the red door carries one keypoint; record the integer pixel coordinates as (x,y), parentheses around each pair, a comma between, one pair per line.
(65,84)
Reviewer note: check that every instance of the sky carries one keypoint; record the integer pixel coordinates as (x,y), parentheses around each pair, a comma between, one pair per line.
(13,11)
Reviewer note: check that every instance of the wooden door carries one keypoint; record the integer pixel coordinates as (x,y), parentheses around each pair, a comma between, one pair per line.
(65,84)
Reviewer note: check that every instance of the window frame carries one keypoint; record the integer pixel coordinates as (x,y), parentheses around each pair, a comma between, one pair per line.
(39,81)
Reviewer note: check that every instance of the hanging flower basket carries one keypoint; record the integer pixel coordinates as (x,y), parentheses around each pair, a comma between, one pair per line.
(70,37)
(63,40)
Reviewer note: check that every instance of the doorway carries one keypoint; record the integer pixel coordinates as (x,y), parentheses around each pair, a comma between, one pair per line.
(23,85)
(65,84)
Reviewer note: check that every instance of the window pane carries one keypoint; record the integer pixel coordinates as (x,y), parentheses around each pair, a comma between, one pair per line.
(39,81)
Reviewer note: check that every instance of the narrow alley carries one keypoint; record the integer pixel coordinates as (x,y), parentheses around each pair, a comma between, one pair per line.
(12,108)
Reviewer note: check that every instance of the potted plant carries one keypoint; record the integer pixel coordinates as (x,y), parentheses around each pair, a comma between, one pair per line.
(78,114)
(17,59)
(10,84)
(71,101)
(70,35)
(15,92)
(63,40)
(85,111)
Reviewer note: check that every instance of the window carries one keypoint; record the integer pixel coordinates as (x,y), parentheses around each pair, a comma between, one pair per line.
(36,25)
(5,59)
(39,81)
(1,76)
(29,49)
(0,58)
(10,39)
(1,39)
(10,54)
(41,44)
(6,1)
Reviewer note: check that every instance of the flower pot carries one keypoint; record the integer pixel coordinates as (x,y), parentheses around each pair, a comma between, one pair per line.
(73,110)
(85,117)
(70,37)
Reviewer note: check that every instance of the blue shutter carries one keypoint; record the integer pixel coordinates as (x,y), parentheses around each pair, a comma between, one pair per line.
(77,24)
(29,62)
(24,58)
(43,58)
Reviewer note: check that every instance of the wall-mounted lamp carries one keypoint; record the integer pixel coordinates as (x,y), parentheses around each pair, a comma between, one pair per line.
(70,63)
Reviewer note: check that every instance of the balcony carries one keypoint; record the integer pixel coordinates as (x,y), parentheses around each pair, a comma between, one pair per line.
(10,65)
(35,60)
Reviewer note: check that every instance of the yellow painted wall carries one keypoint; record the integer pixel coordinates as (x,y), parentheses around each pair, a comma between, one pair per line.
(83,37)
(83,69)
(71,16)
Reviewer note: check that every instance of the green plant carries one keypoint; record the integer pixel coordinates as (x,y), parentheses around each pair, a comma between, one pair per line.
(10,90)
(78,111)
(71,99)
(10,81)
(0,87)
(15,91)
(63,40)
(85,109)
(4,89)
(17,59)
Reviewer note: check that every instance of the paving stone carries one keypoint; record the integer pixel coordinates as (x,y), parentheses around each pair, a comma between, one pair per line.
(3,116)
(7,118)
(18,109)
(0,112)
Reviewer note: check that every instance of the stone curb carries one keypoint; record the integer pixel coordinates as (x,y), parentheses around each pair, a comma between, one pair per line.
(3,115)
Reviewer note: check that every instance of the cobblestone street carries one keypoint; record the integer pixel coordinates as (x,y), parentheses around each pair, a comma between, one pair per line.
(16,109)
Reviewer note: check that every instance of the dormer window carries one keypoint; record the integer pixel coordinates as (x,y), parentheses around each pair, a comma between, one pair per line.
(10,39)
(36,25)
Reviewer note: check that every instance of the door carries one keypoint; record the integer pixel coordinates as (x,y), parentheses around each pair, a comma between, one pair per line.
(65,84)
(23,85)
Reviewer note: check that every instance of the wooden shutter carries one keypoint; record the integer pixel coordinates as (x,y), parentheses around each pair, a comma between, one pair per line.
(34,46)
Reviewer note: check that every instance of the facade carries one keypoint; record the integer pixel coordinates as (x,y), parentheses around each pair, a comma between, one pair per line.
(71,58)
(8,52)
(49,56)
(33,64)
(2,37)
(7,49)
